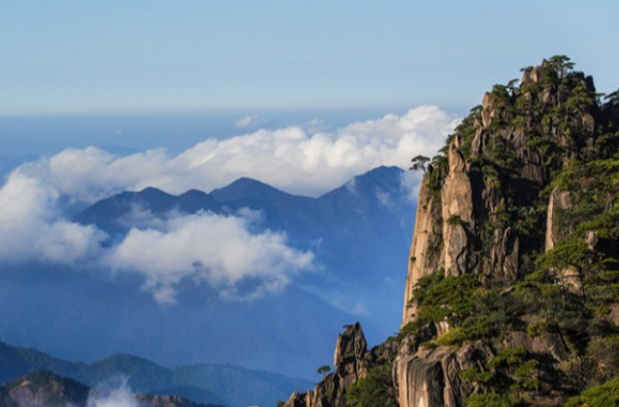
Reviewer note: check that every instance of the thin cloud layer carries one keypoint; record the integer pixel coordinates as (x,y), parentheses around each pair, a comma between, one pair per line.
(218,250)
(291,158)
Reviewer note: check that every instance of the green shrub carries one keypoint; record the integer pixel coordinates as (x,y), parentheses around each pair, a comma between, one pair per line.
(488,400)
(537,328)
(605,395)
(374,390)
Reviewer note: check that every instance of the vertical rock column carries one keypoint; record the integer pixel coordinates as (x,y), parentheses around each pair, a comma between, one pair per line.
(426,248)
(559,200)
(457,207)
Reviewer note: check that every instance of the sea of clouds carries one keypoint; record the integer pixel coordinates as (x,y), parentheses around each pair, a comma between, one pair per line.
(219,250)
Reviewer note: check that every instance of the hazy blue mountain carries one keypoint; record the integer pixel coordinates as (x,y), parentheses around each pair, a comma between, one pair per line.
(12,364)
(88,316)
(207,384)
(112,214)
(358,233)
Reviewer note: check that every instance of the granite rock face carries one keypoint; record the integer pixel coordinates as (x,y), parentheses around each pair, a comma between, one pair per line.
(457,213)
(350,361)
(459,225)
(559,201)
(425,251)
(431,377)
(488,207)
(480,216)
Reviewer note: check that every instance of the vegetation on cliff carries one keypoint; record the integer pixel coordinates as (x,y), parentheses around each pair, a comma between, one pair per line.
(550,135)
(512,295)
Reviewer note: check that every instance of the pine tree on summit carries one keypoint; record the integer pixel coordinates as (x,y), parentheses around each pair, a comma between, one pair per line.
(420,162)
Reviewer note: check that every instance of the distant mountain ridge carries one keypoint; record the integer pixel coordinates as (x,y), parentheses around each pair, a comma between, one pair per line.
(281,210)
(357,233)
(205,384)
(370,205)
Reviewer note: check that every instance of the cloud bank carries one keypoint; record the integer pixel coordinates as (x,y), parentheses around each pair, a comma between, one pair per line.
(218,250)
(291,158)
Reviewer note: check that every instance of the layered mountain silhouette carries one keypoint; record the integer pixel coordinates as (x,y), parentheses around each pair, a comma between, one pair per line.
(357,232)
(45,389)
(200,383)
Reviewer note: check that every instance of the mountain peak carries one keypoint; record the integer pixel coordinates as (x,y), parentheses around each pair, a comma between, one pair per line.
(382,170)
(153,193)
(247,182)
(246,187)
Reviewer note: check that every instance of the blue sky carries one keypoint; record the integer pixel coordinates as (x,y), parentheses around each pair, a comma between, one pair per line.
(141,56)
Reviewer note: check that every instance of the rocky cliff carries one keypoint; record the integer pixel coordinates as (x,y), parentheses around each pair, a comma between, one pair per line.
(513,280)
(352,363)
(497,163)
(501,194)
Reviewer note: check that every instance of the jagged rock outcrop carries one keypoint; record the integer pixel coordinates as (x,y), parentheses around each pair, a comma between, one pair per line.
(498,167)
(350,363)
(482,211)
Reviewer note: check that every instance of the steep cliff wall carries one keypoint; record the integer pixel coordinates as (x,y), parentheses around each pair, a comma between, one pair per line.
(512,289)
(485,211)
(426,249)
(498,162)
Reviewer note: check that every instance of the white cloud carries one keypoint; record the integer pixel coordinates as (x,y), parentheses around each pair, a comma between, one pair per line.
(212,248)
(116,397)
(32,228)
(290,158)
